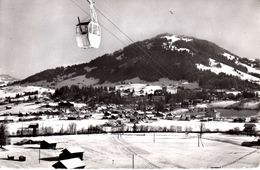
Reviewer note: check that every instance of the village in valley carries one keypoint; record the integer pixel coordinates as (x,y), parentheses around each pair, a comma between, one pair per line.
(51,132)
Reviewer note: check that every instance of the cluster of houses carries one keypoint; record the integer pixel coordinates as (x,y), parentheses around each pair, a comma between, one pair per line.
(69,158)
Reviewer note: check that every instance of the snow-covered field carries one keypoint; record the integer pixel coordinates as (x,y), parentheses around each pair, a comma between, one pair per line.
(222,104)
(159,151)
(79,80)
(22,107)
(244,104)
(11,91)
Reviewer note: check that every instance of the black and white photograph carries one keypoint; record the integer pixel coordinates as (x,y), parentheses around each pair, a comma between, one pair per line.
(129,84)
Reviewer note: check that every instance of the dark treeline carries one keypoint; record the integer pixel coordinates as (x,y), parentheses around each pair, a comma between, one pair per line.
(108,95)
(88,94)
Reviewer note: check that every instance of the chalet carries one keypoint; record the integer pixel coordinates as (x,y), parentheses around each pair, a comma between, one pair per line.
(159,115)
(8,107)
(186,103)
(157,97)
(132,119)
(48,144)
(73,163)
(72,152)
(239,119)
(212,113)
(73,117)
(25,141)
(170,116)
(6,120)
(139,114)
(114,116)
(251,143)
(149,115)
(185,117)
(66,105)
(171,89)
(34,127)
(249,128)
(154,118)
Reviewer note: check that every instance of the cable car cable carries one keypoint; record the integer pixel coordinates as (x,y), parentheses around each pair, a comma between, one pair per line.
(144,51)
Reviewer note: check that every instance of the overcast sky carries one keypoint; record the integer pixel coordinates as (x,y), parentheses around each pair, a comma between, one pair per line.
(40,34)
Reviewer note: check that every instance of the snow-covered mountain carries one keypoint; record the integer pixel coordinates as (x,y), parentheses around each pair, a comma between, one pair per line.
(5,79)
(170,57)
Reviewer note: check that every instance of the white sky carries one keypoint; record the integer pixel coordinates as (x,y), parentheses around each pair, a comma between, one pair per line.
(40,34)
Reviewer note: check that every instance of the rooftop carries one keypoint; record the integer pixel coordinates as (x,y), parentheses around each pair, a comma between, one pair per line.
(72,163)
(74,149)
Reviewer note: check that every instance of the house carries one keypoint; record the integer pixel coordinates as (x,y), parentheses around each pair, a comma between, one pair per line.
(8,107)
(249,128)
(170,116)
(185,117)
(73,163)
(149,115)
(139,114)
(34,127)
(25,141)
(212,113)
(72,152)
(48,144)
(159,115)
(66,106)
(251,143)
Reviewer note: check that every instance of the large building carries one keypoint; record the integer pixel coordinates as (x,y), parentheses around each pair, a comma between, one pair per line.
(72,152)
(73,163)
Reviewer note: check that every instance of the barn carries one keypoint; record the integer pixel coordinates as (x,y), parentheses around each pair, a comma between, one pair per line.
(48,144)
(73,163)
(72,152)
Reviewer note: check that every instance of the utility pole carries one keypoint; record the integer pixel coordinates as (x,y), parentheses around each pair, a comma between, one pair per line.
(22,130)
(133,161)
(39,154)
(200,135)
(154,137)
(198,140)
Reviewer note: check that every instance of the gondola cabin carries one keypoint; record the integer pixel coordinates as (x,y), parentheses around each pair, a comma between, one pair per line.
(88,34)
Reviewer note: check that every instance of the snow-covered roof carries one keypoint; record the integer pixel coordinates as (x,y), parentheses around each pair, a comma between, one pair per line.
(74,149)
(201,106)
(72,163)
(50,141)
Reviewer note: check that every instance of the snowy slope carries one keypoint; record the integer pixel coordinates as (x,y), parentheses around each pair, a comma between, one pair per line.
(11,91)
(174,38)
(5,79)
(78,80)
(217,67)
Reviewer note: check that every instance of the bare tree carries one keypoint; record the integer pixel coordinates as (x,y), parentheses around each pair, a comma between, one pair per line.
(72,128)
